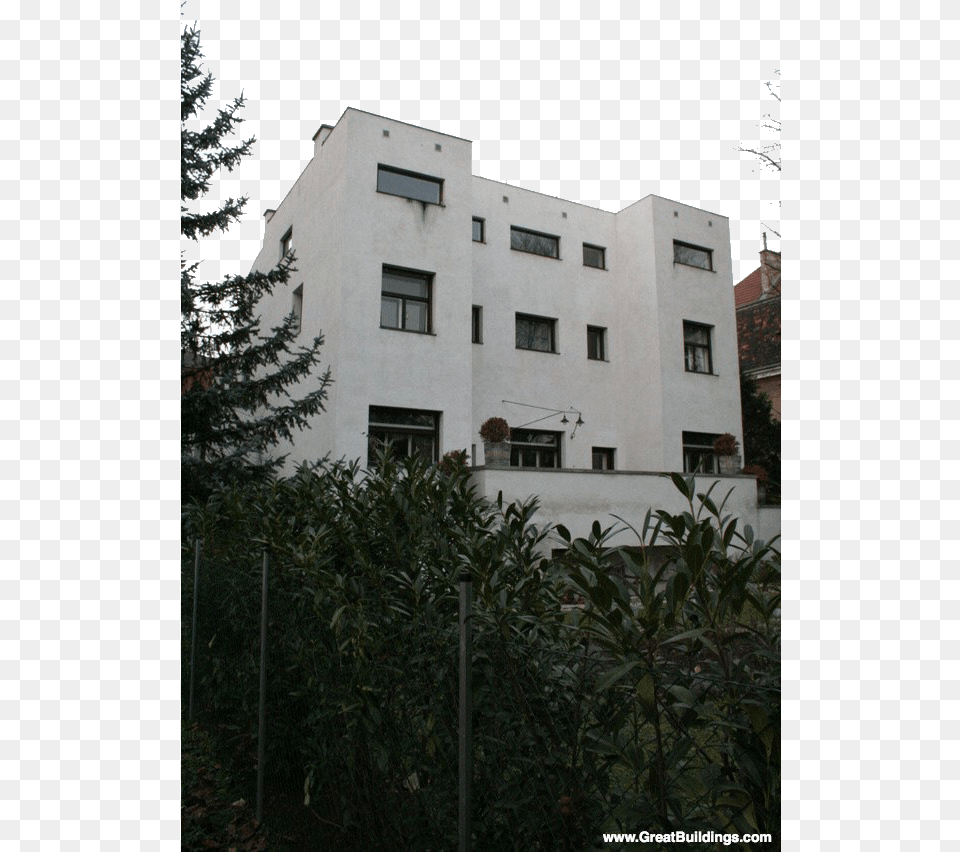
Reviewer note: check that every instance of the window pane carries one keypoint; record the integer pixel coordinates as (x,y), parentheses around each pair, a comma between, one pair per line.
(409,186)
(389,312)
(478,230)
(405,285)
(593,256)
(537,243)
(691,255)
(416,316)
(696,334)
(422,445)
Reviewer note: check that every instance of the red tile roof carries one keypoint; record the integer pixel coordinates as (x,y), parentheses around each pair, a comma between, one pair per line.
(748,290)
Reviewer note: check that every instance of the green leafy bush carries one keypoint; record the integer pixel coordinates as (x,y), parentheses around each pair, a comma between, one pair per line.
(654,701)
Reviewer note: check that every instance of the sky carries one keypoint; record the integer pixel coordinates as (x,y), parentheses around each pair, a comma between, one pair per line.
(598,103)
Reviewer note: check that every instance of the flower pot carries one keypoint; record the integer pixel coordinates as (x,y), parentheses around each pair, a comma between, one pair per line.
(730,464)
(496,454)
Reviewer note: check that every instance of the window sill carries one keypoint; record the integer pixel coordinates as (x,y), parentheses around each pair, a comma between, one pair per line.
(599,360)
(693,266)
(535,253)
(408,198)
(409,331)
(541,351)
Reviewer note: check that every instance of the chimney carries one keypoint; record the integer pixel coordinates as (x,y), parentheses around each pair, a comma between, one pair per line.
(319,137)
(268,215)
(769,271)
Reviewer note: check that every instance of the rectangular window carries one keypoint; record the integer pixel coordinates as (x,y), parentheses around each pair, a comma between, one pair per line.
(596,343)
(692,255)
(602,458)
(479,236)
(698,455)
(409,184)
(537,333)
(297,308)
(594,256)
(405,299)
(403,432)
(477,324)
(286,243)
(534,242)
(697,354)
(534,448)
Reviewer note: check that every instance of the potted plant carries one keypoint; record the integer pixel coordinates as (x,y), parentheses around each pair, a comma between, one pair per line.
(727,449)
(761,474)
(495,433)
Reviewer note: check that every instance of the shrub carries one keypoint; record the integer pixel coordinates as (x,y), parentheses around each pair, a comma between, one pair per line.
(726,445)
(494,430)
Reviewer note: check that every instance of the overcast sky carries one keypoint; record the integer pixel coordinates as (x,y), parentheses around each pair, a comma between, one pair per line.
(590,108)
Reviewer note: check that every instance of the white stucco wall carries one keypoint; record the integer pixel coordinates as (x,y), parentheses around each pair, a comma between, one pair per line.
(638,401)
(578,498)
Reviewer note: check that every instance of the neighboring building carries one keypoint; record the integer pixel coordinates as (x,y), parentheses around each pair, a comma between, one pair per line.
(758,325)
(446,298)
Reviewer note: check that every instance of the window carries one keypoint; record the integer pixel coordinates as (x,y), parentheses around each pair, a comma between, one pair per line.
(596,343)
(594,256)
(405,300)
(479,234)
(602,458)
(477,324)
(692,255)
(536,333)
(297,308)
(534,242)
(533,448)
(698,455)
(286,243)
(696,348)
(404,431)
(409,185)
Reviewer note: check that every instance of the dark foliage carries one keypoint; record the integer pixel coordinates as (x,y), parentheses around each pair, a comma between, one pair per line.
(761,432)
(236,382)
(653,701)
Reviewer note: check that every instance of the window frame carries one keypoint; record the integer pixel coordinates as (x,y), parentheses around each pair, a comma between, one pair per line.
(296,307)
(600,334)
(516,229)
(690,347)
(603,256)
(286,242)
(395,431)
(418,274)
(699,445)
(483,229)
(606,454)
(476,324)
(406,173)
(551,324)
(519,447)
(707,251)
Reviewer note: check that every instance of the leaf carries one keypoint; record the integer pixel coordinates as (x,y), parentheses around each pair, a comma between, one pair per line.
(611,677)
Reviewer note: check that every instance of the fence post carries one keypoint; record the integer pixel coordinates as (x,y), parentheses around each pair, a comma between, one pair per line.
(466,710)
(193,628)
(262,724)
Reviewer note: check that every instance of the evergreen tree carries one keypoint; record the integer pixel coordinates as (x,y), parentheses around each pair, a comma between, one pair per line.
(236,383)
(761,432)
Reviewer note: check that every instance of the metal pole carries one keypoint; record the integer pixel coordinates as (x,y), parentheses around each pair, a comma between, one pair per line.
(193,628)
(262,726)
(466,711)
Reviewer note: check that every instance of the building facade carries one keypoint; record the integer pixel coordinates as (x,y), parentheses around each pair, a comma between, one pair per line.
(757,299)
(446,299)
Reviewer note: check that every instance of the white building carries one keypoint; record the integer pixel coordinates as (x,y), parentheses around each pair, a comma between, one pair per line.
(446,298)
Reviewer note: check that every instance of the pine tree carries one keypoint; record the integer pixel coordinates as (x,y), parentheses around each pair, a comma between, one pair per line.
(236,400)
(761,432)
